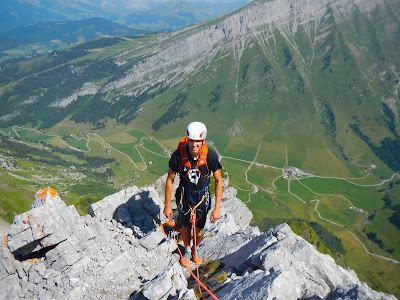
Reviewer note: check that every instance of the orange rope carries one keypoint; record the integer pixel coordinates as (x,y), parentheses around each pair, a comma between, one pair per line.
(193,216)
(198,280)
(190,271)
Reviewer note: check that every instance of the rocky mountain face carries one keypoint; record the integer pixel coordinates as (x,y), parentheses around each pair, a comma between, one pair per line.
(197,46)
(118,251)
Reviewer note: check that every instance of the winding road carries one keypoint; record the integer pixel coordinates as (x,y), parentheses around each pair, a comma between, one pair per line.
(255,190)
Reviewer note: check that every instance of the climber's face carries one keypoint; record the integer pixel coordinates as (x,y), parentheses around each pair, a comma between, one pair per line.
(195,147)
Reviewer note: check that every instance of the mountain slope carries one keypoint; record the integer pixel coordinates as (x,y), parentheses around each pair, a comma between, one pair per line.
(325,71)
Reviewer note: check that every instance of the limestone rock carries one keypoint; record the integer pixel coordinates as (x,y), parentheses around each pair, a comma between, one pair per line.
(279,256)
(46,196)
(171,282)
(118,251)
(95,256)
(48,223)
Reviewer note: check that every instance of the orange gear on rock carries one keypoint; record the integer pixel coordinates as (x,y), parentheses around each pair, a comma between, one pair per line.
(43,192)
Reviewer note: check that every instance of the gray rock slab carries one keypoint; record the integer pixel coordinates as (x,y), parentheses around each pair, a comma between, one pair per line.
(10,288)
(7,262)
(152,240)
(230,248)
(100,256)
(171,282)
(106,208)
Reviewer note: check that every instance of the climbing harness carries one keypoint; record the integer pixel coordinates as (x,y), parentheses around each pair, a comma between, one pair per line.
(192,198)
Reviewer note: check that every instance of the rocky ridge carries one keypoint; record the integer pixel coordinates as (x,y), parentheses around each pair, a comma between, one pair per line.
(118,251)
(258,20)
(171,59)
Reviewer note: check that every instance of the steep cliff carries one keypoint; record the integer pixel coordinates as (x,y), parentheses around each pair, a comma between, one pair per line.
(118,251)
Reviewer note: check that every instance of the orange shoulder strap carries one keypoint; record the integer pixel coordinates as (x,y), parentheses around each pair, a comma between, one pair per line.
(183,153)
(184,156)
(203,156)
(182,142)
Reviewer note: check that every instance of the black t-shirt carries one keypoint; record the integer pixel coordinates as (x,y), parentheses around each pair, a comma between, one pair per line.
(194,180)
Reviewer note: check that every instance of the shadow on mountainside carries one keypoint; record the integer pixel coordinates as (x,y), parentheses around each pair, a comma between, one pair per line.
(139,213)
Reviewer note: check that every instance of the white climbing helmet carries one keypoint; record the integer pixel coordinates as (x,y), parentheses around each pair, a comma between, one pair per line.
(196,131)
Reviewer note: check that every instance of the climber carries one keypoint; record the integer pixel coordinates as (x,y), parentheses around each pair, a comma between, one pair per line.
(194,163)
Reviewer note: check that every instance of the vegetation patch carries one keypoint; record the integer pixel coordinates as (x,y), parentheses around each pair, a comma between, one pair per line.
(313,232)
(211,267)
(174,111)
(213,102)
(263,177)
(388,151)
